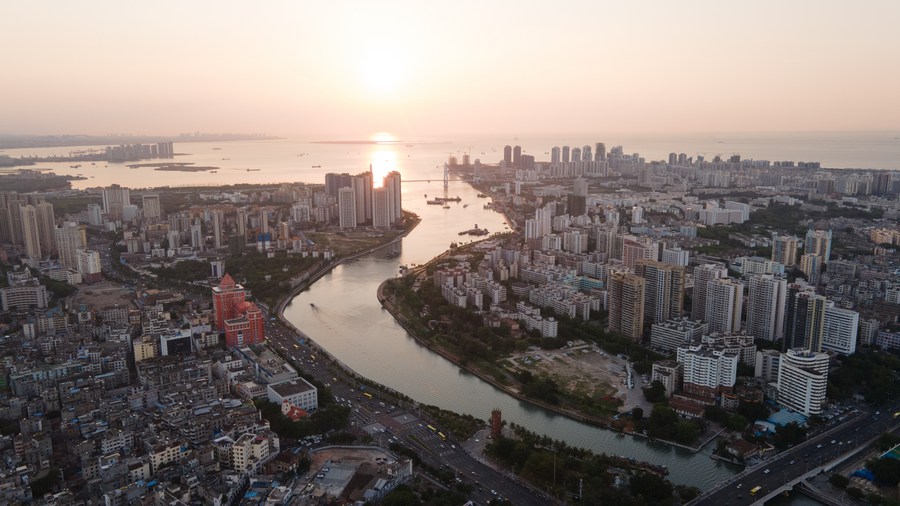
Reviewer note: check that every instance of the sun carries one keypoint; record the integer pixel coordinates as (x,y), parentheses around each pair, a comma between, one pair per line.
(382,71)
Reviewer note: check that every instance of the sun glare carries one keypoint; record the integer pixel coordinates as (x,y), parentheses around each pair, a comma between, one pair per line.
(382,71)
(384,160)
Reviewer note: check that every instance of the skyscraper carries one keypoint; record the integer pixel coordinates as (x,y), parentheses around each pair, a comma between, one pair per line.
(517,157)
(724,304)
(362,191)
(839,330)
(703,274)
(95,214)
(346,208)
(765,310)
(565,154)
(554,154)
(241,222)
(802,380)
(663,289)
(151,206)
(600,151)
(626,304)
(507,155)
(46,227)
(811,265)
(784,249)
(70,237)
(218,227)
(818,242)
(30,233)
(804,318)
(380,204)
(392,183)
(114,199)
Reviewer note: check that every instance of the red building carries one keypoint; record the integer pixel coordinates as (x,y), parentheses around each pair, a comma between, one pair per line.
(242,321)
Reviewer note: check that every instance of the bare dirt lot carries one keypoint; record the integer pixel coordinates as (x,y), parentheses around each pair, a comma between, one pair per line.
(581,369)
(103,294)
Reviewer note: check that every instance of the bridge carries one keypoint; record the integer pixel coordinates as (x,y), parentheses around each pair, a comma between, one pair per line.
(793,467)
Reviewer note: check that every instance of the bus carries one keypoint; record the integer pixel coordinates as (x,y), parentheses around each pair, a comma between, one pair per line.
(368,395)
(755,489)
(442,436)
(431,428)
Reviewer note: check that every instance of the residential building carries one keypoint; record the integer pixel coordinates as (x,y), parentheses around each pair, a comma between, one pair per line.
(626,304)
(839,330)
(766,306)
(802,381)
(664,289)
(667,372)
(784,249)
(724,305)
(818,242)
(703,274)
(675,332)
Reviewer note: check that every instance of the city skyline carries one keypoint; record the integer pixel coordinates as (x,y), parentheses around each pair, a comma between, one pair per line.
(347,71)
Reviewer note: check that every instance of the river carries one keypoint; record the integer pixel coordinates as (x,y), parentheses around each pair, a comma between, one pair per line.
(348,321)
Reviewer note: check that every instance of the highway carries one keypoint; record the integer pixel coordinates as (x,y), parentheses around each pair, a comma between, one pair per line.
(793,463)
(388,423)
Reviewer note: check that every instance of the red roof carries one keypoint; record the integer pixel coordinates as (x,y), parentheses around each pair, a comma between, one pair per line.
(227,281)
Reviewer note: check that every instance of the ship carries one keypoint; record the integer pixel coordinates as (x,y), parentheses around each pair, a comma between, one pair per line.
(252,170)
(465,206)
(446,207)
(317,166)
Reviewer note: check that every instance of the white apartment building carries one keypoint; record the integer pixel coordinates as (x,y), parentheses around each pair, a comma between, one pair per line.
(707,370)
(839,331)
(802,380)
(675,332)
(298,392)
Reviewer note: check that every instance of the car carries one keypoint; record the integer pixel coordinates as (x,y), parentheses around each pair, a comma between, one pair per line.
(493,492)
(819,445)
(740,485)
(767,471)
(793,461)
(833,441)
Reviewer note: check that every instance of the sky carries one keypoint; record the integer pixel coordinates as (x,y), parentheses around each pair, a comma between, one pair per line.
(345,69)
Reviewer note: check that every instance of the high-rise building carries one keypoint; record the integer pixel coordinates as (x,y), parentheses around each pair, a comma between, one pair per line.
(707,370)
(664,289)
(784,249)
(46,227)
(565,154)
(334,182)
(218,227)
(114,199)
(818,242)
(586,153)
(600,151)
(263,221)
(766,306)
(804,318)
(14,217)
(241,222)
(580,187)
(392,183)
(517,157)
(70,237)
(724,304)
(811,265)
(347,208)
(840,330)
(95,215)
(362,191)
(30,232)
(703,274)
(554,155)
(88,265)
(151,206)
(381,216)
(507,156)
(240,320)
(675,256)
(576,154)
(802,380)
(626,304)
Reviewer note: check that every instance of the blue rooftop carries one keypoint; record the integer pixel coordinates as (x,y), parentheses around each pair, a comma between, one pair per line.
(785,417)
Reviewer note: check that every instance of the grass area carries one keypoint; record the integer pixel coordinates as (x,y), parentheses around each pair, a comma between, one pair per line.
(349,243)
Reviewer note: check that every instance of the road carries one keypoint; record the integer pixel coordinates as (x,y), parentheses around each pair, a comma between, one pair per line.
(799,460)
(388,423)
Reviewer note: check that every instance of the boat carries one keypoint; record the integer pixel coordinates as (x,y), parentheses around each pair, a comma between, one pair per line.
(217,149)
(446,207)
(465,206)
(213,172)
(312,305)
(252,170)
(317,166)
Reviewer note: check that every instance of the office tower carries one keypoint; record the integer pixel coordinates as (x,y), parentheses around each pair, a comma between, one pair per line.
(804,318)
(517,157)
(626,304)
(151,206)
(586,153)
(380,208)
(346,208)
(818,242)
(839,330)
(576,154)
(676,256)
(87,262)
(565,154)
(724,304)
(600,151)
(784,249)
(218,227)
(703,274)
(392,183)
(362,191)
(114,199)
(46,227)
(507,156)
(766,306)
(554,154)
(663,289)
(70,237)
(241,222)
(811,265)
(802,380)
(31,236)
(95,215)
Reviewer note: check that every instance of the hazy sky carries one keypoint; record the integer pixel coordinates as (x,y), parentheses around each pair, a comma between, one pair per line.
(347,69)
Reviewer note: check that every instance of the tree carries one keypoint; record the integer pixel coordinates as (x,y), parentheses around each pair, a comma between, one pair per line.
(886,471)
(839,480)
(788,435)
(637,413)
(652,488)
(655,392)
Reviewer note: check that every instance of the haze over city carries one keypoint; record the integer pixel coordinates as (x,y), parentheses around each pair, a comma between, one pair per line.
(346,70)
